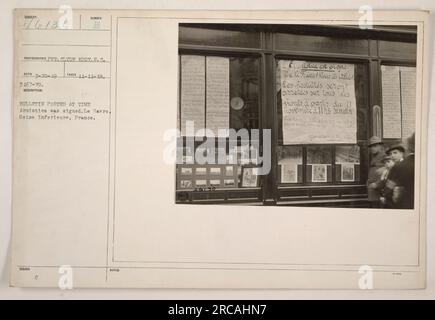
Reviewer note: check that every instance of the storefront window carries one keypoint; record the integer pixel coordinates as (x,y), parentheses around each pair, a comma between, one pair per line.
(218,93)
(318,109)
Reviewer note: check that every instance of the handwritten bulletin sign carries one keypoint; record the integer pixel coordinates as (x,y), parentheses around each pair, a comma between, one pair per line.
(192,91)
(318,102)
(218,94)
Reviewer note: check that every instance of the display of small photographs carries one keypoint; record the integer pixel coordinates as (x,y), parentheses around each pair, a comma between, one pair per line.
(201,171)
(215,183)
(229,170)
(201,183)
(186,171)
(186,184)
(347,172)
(188,159)
(319,173)
(289,154)
(250,177)
(229,183)
(289,173)
(215,170)
(221,156)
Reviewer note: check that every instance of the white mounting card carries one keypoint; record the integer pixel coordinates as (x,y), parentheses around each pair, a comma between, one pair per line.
(95,95)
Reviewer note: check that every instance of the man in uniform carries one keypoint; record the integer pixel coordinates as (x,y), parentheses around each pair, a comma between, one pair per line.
(377,155)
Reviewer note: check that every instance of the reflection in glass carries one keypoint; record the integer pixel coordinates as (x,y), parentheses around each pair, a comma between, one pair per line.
(347,154)
(244,93)
(319,164)
(290,164)
(289,154)
(319,155)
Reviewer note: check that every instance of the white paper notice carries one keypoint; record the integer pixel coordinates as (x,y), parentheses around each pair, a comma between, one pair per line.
(218,94)
(318,102)
(407,91)
(391,117)
(192,92)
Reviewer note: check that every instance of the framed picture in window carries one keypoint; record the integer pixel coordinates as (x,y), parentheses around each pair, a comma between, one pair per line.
(348,172)
(201,183)
(289,173)
(319,173)
(229,183)
(215,171)
(186,170)
(249,177)
(200,171)
(215,183)
(229,171)
(186,184)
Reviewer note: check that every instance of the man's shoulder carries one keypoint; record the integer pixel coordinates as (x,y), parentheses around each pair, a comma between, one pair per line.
(377,159)
(396,171)
(409,159)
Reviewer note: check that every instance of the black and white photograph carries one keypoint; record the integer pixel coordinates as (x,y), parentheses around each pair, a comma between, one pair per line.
(227,151)
(289,173)
(319,172)
(338,101)
(186,170)
(186,184)
(347,172)
(249,177)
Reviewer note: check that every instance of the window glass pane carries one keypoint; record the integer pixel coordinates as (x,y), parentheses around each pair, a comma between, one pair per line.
(290,164)
(244,93)
(319,155)
(347,154)
(319,164)
(221,165)
(347,163)
(242,103)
